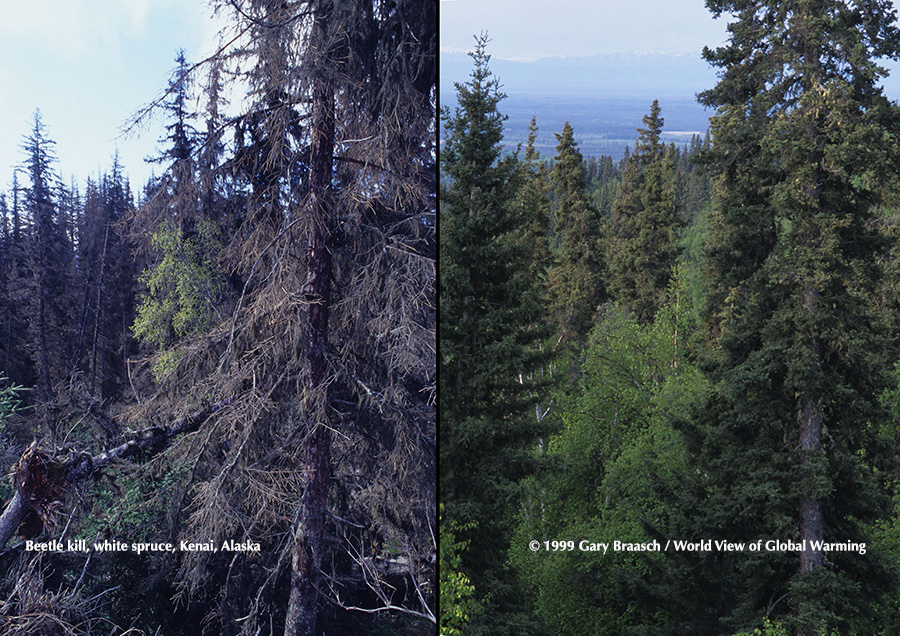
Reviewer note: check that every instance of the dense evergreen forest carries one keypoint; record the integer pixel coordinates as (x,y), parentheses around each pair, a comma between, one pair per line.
(669,386)
(217,391)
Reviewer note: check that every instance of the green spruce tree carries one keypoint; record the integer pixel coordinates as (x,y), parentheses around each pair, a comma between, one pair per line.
(489,310)
(641,241)
(533,206)
(575,278)
(788,441)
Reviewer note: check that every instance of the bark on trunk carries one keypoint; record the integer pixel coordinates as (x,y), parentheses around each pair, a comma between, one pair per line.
(309,537)
(97,311)
(11,518)
(811,522)
(42,331)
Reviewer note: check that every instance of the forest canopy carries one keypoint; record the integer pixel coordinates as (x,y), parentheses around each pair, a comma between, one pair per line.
(669,383)
(218,392)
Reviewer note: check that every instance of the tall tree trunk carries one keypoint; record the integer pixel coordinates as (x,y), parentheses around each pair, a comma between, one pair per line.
(97,311)
(811,522)
(309,535)
(42,319)
(9,327)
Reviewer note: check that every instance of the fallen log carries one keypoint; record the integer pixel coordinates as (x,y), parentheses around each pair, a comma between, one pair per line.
(41,477)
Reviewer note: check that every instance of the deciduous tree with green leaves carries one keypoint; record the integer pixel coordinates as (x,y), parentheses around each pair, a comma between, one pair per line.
(616,446)
(186,293)
(458,602)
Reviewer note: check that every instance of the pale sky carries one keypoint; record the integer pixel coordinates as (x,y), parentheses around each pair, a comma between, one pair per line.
(531,29)
(526,30)
(88,65)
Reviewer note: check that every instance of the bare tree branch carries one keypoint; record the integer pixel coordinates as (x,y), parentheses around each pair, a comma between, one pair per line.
(374,581)
(144,112)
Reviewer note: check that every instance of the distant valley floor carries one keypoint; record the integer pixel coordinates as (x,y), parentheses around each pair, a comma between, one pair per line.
(602,125)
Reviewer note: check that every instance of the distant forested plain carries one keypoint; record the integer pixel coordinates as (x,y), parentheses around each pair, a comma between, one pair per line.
(603,98)
(605,125)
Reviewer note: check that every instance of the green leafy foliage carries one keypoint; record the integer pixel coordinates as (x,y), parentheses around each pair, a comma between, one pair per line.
(136,505)
(768,628)
(458,603)
(9,399)
(185,290)
(616,446)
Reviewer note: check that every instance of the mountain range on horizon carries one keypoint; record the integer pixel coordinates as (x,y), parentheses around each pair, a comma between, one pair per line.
(617,74)
(603,96)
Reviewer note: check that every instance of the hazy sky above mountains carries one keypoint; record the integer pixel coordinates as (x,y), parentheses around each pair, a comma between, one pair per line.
(526,30)
(531,29)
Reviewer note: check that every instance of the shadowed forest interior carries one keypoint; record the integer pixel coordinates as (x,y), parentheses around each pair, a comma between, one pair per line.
(218,392)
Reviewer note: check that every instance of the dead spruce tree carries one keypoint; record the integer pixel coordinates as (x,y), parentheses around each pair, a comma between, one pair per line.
(326,454)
